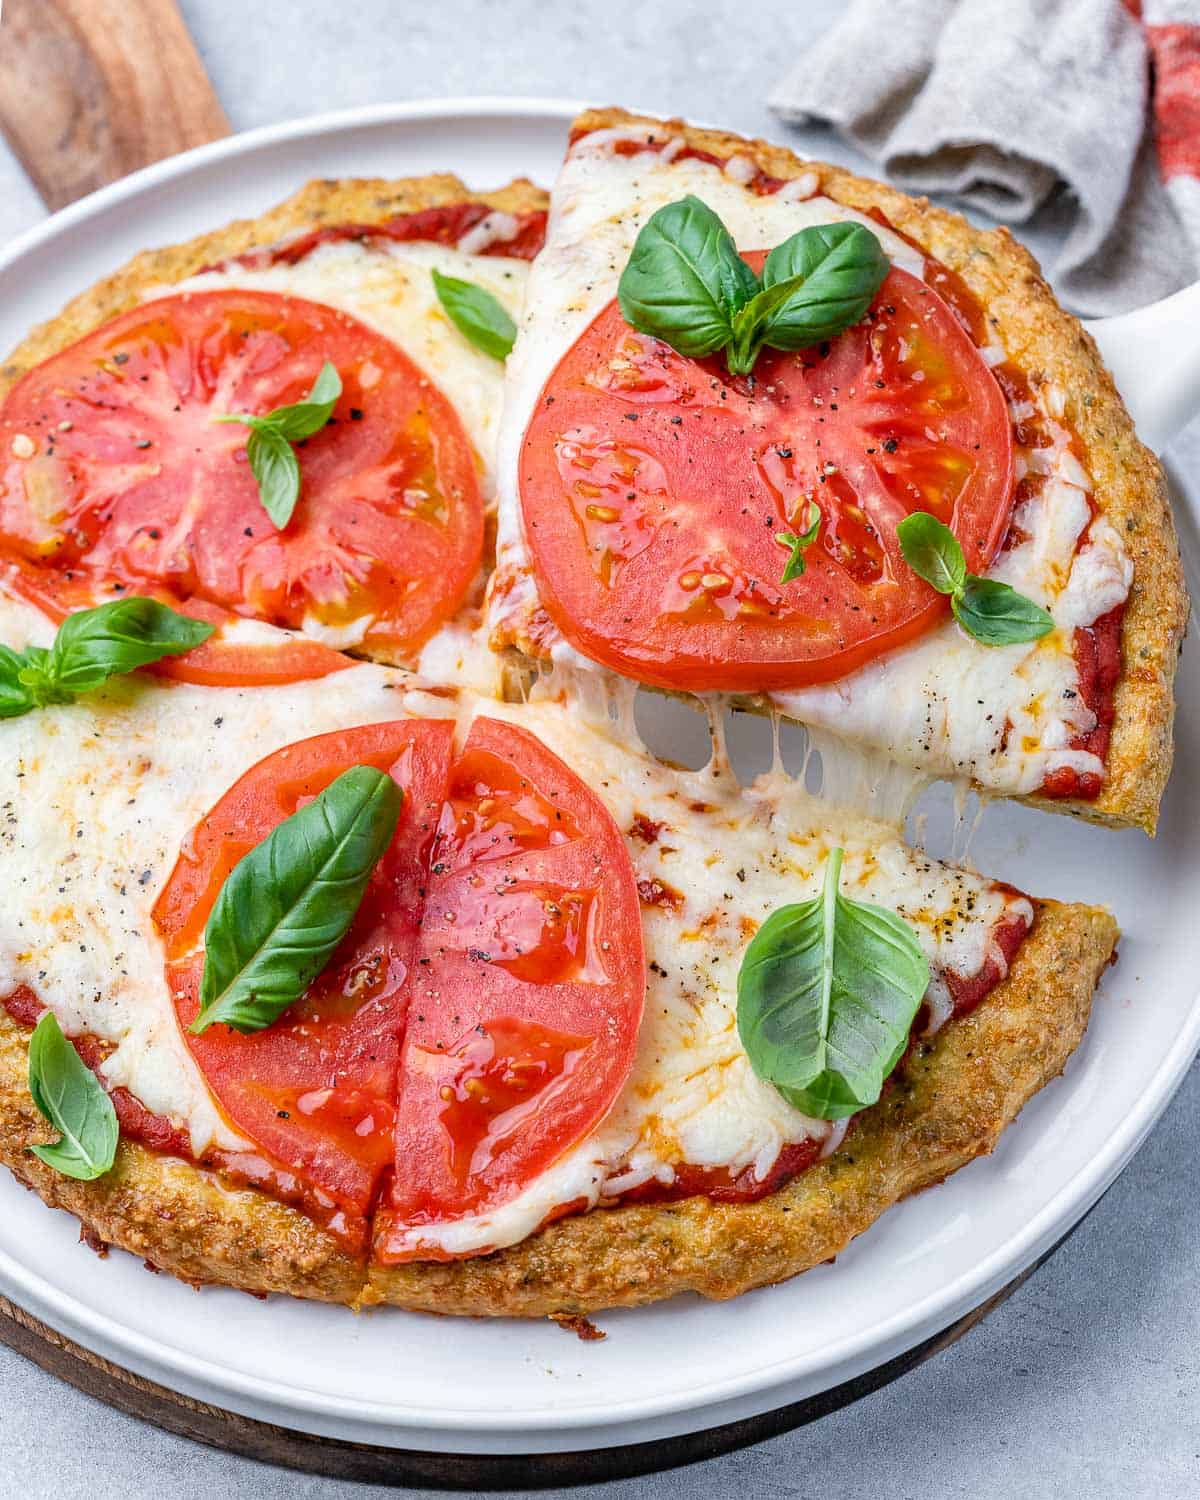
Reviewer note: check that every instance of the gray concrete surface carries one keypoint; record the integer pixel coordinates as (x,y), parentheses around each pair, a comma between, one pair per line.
(1086,1382)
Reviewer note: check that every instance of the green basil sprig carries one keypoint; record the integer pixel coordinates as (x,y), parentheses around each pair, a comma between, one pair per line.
(827,993)
(686,284)
(73,1099)
(91,646)
(476,314)
(272,458)
(286,905)
(990,611)
(796,564)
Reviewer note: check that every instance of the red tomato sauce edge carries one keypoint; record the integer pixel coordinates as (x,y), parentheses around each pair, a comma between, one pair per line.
(444,225)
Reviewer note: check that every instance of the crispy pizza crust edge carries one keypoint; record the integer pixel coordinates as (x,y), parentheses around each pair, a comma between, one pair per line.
(948,1104)
(355,200)
(1130,486)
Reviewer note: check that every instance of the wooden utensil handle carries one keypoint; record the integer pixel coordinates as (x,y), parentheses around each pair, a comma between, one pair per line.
(93,89)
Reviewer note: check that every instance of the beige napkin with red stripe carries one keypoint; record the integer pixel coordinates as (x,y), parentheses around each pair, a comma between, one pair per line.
(1005,103)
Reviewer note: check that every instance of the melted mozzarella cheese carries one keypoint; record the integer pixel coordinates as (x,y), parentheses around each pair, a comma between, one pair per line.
(99,796)
(459,653)
(389,286)
(723,859)
(1004,717)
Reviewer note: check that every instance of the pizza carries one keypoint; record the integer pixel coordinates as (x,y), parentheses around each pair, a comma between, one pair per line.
(644,491)
(349,957)
(310,1116)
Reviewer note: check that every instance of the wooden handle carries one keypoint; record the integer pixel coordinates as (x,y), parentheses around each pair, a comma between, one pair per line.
(93,89)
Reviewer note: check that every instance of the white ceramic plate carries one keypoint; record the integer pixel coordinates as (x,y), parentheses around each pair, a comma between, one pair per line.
(462,1386)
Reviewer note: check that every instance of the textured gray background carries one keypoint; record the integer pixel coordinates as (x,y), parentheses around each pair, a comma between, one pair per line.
(1086,1382)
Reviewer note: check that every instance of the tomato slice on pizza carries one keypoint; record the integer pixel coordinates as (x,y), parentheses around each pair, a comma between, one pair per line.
(655,488)
(316,1089)
(482,1011)
(528,990)
(116,477)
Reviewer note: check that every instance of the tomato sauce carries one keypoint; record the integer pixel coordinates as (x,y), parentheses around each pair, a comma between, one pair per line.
(1098,660)
(724,1186)
(443,225)
(655,892)
(967,994)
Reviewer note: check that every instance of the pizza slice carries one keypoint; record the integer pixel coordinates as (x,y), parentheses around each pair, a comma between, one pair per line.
(288,421)
(533,1067)
(781,433)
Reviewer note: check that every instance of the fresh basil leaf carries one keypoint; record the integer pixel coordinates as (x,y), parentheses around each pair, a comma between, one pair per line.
(93,645)
(476,314)
(685,281)
(73,1099)
(302,418)
(796,564)
(286,905)
(307,417)
(752,323)
(273,461)
(827,993)
(996,615)
(686,284)
(932,551)
(276,469)
(15,697)
(836,269)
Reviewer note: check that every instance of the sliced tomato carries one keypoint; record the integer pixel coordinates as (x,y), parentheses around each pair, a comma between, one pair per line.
(114,472)
(528,990)
(654,488)
(482,1012)
(316,1089)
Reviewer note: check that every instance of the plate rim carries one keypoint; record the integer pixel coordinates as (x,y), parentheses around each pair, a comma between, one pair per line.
(246,142)
(898,1333)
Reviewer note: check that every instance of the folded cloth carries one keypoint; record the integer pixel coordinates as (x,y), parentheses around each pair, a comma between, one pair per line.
(998,102)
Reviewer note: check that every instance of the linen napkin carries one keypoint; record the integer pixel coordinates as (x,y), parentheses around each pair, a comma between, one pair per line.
(999,102)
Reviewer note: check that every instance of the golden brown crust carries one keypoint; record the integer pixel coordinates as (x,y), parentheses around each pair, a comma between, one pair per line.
(177,1216)
(356,200)
(949,1105)
(1130,487)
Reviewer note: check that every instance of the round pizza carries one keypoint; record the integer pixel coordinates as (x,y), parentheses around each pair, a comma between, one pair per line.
(351,954)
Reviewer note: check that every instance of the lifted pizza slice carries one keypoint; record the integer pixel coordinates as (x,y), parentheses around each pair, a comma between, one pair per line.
(785,434)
